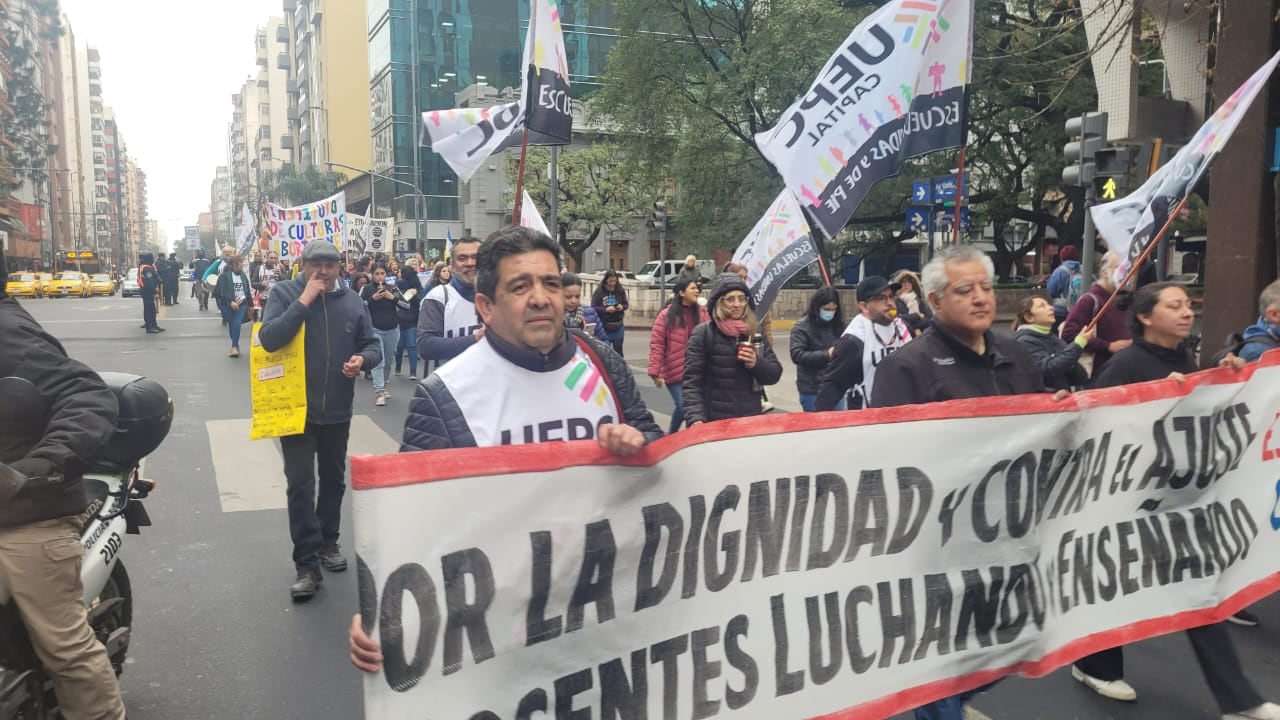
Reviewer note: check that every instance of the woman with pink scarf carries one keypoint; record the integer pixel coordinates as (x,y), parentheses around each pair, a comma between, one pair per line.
(727,361)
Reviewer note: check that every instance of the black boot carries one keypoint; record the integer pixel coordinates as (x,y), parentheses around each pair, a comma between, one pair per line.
(309,580)
(331,558)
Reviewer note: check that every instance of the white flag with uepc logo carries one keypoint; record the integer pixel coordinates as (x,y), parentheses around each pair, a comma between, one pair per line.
(894,89)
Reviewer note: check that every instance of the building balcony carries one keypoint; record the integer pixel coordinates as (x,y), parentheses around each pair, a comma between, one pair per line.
(289,6)
(286,142)
(282,61)
(282,33)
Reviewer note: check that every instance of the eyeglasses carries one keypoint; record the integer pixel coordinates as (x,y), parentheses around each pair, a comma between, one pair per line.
(883,297)
(734,299)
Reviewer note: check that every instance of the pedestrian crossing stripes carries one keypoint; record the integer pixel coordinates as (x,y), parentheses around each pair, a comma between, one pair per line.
(250,473)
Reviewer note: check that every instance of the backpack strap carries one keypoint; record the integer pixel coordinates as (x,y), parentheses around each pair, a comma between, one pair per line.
(604,373)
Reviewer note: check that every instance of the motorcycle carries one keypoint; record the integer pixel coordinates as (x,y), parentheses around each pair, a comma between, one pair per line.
(116,488)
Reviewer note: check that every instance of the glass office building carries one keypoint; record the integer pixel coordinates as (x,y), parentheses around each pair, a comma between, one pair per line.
(457,43)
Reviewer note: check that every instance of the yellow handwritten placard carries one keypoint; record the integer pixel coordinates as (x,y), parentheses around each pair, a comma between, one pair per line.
(278,387)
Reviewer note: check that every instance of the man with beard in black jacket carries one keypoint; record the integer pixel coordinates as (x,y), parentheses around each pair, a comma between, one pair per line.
(42,495)
(529,380)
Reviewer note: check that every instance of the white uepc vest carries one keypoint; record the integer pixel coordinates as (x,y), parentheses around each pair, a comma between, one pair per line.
(878,343)
(459,313)
(505,404)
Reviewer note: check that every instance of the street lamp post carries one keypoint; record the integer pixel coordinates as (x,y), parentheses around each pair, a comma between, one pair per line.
(420,198)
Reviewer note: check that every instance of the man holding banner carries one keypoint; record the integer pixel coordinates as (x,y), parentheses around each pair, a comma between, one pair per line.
(529,380)
(339,344)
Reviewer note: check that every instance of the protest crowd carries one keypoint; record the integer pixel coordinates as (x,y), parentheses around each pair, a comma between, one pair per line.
(500,326)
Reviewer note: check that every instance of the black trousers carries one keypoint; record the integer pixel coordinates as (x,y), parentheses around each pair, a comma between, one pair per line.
(1218,661)
(148,308)
(314,516)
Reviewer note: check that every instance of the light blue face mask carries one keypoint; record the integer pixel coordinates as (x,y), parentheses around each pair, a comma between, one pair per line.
(827,315)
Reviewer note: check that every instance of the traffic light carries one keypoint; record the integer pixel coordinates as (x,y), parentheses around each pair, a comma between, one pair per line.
(659,216)
(1112,173)
(1090,133)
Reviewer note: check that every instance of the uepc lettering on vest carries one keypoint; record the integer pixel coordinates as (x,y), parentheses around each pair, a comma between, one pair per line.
(505,404)
(878,343)
(459,313)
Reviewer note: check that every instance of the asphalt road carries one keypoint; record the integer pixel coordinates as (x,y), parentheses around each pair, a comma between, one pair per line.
(216,635)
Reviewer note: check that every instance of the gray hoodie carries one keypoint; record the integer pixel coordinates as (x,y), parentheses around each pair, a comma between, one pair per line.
(338,327)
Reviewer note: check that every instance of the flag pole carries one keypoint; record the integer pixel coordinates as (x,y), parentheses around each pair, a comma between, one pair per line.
(524,152)
(817,241)
(1137,265)
(960,163)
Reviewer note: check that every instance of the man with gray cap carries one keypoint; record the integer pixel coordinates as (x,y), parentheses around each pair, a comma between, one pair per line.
(871,337)
(338,346)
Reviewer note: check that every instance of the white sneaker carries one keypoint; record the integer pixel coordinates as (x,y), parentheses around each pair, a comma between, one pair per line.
(413,378)
(380,401)
(1265,711)
(1113,689)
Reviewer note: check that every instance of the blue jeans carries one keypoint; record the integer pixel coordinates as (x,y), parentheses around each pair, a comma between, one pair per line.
(677,415)
(951,708)
(389,339)
(234,319)
(809,403)
(408,341)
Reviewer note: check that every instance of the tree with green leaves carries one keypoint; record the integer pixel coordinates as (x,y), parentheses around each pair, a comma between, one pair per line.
(289,187)
(689,83)
(598,191)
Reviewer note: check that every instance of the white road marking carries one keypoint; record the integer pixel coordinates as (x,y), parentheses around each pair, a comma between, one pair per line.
(250,473)
(971,713)
(82,321)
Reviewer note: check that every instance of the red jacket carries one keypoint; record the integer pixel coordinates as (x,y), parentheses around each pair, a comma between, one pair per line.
(667,345)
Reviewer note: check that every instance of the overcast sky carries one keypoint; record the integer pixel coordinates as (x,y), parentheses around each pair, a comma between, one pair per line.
(169,77)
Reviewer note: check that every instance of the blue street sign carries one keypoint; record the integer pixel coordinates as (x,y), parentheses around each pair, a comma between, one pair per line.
(945,219)
(944,188)
(922,191)
(964,218)
(918,219)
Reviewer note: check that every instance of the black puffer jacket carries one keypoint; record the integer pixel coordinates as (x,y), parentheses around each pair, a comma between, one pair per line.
(435,421)
(810,342)
(50,457)
(716,386)
(1059,361)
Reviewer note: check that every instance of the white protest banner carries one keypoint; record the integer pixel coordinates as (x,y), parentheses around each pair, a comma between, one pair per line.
(801,565)
(777,248)
(292,228)
(1128,224)
(531,218)
(466,137)
(192,235)
(367,234)
(895,89)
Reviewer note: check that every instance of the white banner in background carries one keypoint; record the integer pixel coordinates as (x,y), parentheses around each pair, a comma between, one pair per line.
(894,89)
(794,566)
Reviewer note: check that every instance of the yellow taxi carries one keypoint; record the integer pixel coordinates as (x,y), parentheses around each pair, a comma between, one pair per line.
(68,284)
(42,281)
(23,285)
(101,284)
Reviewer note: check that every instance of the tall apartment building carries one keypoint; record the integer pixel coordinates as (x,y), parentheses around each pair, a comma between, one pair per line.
(101,209)
(117,211)
(29,125)
(74,144)
(220,205)
(259,138)
(329,98)
(136,209)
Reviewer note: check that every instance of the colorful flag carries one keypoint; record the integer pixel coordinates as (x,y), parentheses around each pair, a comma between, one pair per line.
(530,218)
(777,248)
(245,231)
(448,244)
(894,90)
(1128,225)
(466,137)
